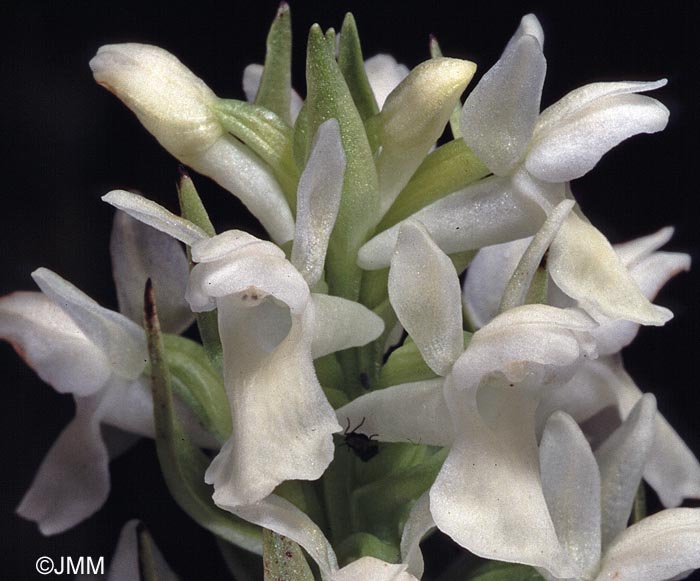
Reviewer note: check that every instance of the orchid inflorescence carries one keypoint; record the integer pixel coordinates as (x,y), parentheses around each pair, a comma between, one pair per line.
(349,394)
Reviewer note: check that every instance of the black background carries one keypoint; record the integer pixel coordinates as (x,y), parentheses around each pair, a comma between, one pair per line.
(65,142)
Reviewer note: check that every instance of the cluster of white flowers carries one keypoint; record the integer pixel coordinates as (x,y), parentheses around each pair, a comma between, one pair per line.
(497,411)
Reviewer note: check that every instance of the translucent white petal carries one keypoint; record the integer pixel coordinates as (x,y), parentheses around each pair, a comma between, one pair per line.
(52,344)
(433,88)
(73,479)
(129,407)
(621,459)
(419,522)
(487,276)
(656,548)
(155,215)
(486,213)
(122,341)
(672,469)
(488,495)
(173,104)
(499,115)
(636,250)
(528,25)
(424,291)
(281,516)
(126,562)
(221,245)
(584,265)
(410,412)
(318,201)
(341,324)
(282,422)
(571,487)
(541,345)
(575,101)
(384,74)
(375,569)
(574,146)
(140,252)
(235,168)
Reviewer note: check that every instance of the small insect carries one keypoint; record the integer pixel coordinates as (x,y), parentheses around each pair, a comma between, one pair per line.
(363,446)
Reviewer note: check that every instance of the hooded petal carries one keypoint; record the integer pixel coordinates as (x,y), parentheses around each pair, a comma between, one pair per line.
(486,213)
(495,443)
(584,265)
(621,459)
(73,479)
(121,341)
(499,116)
(341,324)
(52,344)
(573,146)
(318,201)
(424,291)
(657,548)
(571,487)
(384,74)
(140,252)
(410,412)
(433,89)
(173,104)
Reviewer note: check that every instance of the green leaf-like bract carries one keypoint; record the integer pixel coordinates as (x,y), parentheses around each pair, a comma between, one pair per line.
(283,559)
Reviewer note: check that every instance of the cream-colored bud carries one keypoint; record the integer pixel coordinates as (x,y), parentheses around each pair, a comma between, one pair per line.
(169,100)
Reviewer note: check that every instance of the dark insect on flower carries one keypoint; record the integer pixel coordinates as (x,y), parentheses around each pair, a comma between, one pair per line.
(363,446)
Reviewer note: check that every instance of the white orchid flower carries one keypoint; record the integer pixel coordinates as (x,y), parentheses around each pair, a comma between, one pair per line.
(532,156)
(672,469)
(177,108)
(272,328)
(484,405)
(98,356)
(281,516)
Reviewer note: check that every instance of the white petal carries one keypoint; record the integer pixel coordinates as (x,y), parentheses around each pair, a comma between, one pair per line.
(528,25)
(129,407)
(371,568)
(282,422)
(250,273)
(171,102)
(574,146)
(140,252)
(488,495)
(656,548)
(433,89)
(537,344)
(121,341)
(516,290)
(424,291)
(252,75)
(636,250)
(52,344)
(73,479)
(574,102)
(221,245)
(487,277)
(152,214)
(621,459)
(499,115)
(237,169)
(571,487)
(410,412)
(419,522)
(126,562)
(584,265)
(480,215)
(672,469)
(384,74)
(318,200)
(281,516)
(341,324)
